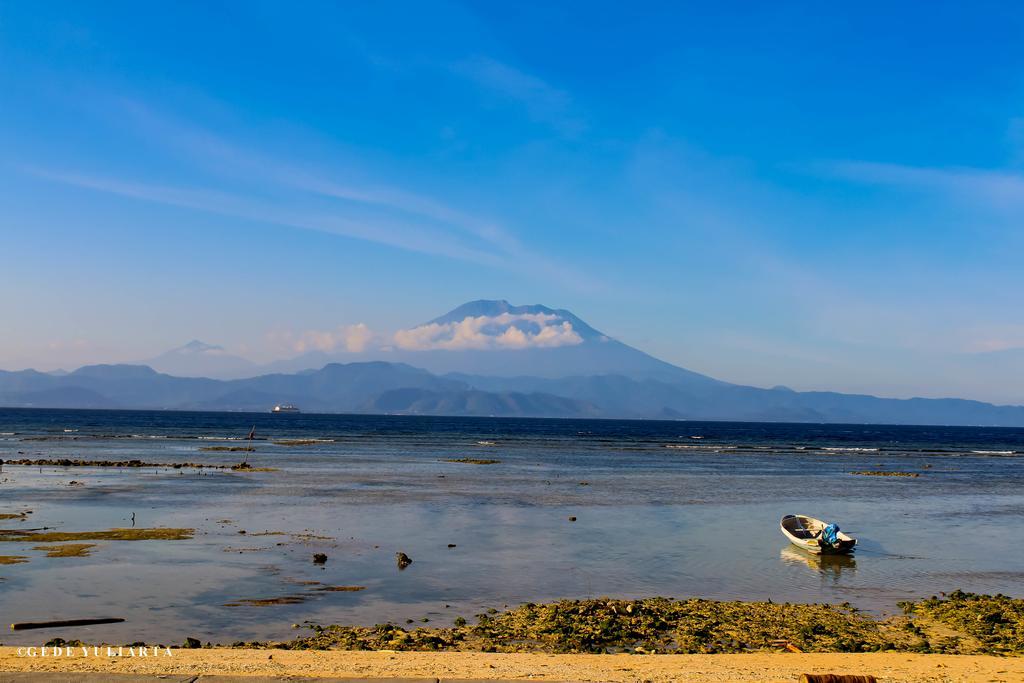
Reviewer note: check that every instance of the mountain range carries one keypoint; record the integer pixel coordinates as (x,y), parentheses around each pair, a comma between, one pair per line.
(482,358)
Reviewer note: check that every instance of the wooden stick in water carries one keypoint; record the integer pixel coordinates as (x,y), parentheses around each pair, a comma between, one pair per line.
(27,625)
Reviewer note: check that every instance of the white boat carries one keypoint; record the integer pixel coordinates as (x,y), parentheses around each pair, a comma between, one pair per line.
(285,408)
(806,533)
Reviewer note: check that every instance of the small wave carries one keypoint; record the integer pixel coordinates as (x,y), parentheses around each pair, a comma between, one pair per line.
(850,449)
(683,446)
(69,431)
(994,452)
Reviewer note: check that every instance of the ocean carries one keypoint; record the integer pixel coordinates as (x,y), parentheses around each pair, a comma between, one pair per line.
(538,510)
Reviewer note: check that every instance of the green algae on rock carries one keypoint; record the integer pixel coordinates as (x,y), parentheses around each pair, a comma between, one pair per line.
(652,625)
(152,534)
(473,461)
(13,559)
(66,550)
(67,462)
(994,622)
(882,473)
(264,602)
(246,467)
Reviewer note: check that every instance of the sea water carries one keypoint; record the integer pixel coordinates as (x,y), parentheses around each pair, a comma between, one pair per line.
(668,508)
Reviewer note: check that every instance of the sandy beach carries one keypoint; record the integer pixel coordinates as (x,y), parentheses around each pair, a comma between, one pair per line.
(488,666)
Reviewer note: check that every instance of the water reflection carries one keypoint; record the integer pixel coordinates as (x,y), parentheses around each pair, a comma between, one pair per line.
(829,565)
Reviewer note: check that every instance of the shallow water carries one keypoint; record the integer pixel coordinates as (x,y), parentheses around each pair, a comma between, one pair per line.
(699,518)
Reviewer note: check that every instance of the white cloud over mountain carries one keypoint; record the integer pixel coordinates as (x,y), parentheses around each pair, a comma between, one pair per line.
(504,331)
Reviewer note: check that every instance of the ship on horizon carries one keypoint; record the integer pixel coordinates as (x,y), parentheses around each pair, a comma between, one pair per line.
(285,408)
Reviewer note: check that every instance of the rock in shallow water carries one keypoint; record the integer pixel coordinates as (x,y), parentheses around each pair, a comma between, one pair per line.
(402,560)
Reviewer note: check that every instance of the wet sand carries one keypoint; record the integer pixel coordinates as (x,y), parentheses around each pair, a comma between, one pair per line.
(485,666)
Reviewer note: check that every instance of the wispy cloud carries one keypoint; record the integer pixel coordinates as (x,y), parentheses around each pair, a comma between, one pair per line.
(543,102)
(996,190)
(394,234)
(369,211)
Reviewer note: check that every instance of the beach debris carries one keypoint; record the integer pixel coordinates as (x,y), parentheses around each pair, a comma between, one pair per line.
(785,645)
(837,678)
(451,545)
(319,558)
(472,461)
(402,560)
(76,483)
(572,519)
(62,623)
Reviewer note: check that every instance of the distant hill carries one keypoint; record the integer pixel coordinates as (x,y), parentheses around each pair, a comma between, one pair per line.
(482,358)
(615,395)
(198,359)
(374,387)
(379,387)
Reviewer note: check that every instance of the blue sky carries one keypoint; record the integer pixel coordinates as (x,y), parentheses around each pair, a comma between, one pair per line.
(817,196)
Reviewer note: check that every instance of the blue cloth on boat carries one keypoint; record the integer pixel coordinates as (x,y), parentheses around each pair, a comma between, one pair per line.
(830,534)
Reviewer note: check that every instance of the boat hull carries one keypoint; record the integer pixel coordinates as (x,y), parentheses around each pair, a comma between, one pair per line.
(800,531)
